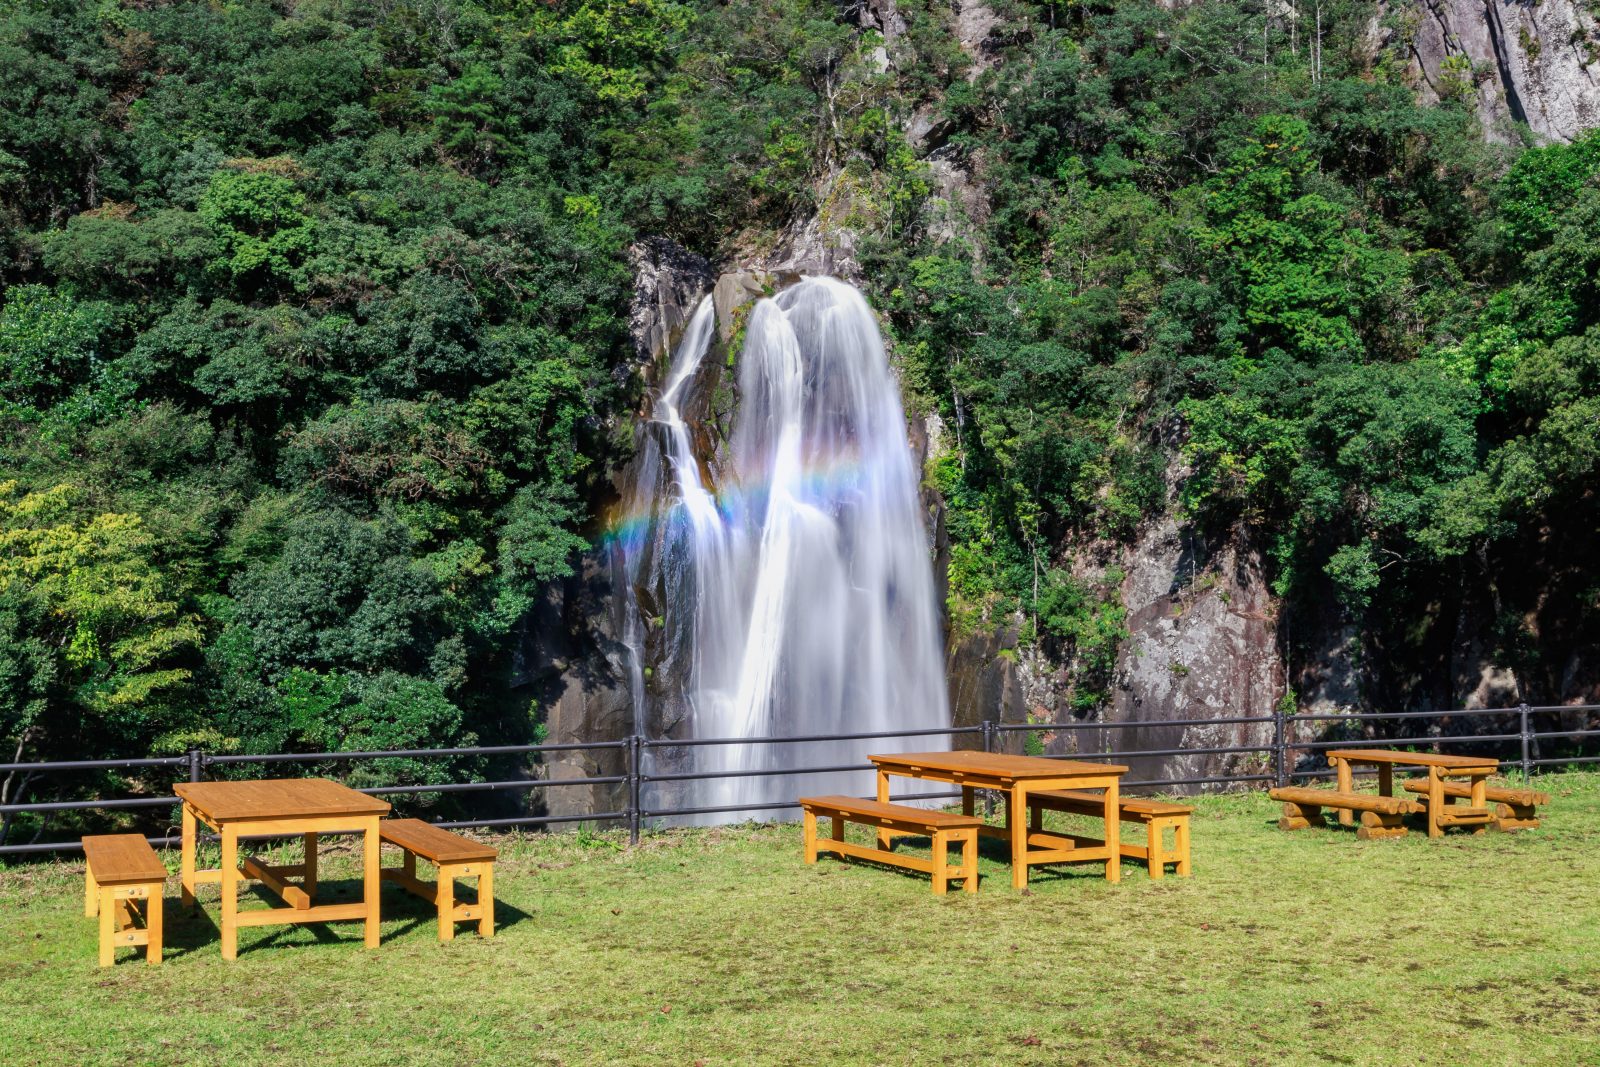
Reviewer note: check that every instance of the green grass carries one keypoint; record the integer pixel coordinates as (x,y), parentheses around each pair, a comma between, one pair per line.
(720,946)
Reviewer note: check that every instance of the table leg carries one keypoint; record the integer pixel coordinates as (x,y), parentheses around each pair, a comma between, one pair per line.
(1017,824)
(883,798)
(1435,803)
(369,877)
(1341,768)
(1386,779)
(969,797)
(230,892)
(1113,815)
(1480,799)
(186,872)
(310,879)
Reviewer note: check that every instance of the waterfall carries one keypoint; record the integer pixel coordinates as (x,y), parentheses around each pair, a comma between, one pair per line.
(790,592)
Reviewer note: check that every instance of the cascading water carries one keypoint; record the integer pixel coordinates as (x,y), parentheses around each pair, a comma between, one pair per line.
(797,596)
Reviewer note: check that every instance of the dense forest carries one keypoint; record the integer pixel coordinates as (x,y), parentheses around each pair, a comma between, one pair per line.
(314,351)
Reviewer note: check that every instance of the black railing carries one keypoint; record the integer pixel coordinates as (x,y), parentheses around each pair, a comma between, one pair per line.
(1287,747)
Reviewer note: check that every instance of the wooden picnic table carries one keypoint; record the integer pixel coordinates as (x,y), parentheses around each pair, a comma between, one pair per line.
(280,807)
(1017,776)
(1476,769)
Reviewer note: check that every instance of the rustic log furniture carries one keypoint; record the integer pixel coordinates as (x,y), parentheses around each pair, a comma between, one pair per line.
(281,807)
(1380,815)
(945,829)
(1476,769)
(1514,808)
(1018,777)
(121,869)
(454,857)
(1156,816)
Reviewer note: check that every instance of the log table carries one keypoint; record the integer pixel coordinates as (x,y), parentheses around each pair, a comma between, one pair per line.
(1476,769)
(279,807)
(1017,777)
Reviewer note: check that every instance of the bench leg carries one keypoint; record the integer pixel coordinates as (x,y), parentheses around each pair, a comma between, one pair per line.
(1297,816)
(1035,818)
(486,900)
(1346,783)
(838,832)
(969,798)
(969,859)
(108,928)
(153,924)
(1376,825)
(1180,840)
(811,836)
(1155,848)
(941,873)
(445,898)
(91,893)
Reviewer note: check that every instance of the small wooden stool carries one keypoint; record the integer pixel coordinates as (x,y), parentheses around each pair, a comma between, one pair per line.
(122,869)
(455,857)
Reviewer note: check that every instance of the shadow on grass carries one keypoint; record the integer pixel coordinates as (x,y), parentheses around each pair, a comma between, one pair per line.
(199,930)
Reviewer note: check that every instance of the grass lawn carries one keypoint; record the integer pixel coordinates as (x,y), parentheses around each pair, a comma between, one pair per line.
(720,946)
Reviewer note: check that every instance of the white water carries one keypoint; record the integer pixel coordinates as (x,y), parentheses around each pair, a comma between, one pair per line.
(796,597)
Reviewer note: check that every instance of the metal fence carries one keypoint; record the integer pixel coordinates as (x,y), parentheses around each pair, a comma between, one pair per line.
(1289,748)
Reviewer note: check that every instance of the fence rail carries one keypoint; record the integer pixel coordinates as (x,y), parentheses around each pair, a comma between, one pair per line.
(1282,756)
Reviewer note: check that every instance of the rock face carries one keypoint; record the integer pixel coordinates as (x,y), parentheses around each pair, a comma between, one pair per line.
(1535,63)
(1202,644)
(572,658)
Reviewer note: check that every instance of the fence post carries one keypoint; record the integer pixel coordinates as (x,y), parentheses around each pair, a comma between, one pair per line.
(1280,746)
(988,746)
(197,762)
(635,758)
(1523,713)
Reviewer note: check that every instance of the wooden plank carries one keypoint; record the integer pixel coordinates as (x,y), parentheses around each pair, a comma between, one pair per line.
(1333,798)
(1410,759)
(272,878)
(410,883)
(867,852)
(993,764)
(1076,802)
(321,913)
(884,814)
(432,843)
(1502,794)
(121,859)
(277,798)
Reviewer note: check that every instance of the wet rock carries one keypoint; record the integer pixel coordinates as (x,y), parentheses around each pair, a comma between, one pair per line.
(668,282)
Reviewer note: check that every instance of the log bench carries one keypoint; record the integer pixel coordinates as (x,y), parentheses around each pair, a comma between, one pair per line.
(1156,816)
(1514,808)
(121,870)
(944,828)
(1380,815)
(455,857)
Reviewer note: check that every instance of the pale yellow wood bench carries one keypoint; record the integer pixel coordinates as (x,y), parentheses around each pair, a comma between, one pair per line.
(1380,815)
(455,857)
(1514,808)
(944,828)
(121,870)
(1156,816)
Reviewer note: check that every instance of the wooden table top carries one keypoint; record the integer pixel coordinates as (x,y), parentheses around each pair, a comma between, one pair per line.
(278,798)
(996,765)
(1414,759)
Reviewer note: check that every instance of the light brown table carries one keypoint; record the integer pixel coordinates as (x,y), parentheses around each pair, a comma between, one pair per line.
(1439,767)
(279,807)
(1017,776)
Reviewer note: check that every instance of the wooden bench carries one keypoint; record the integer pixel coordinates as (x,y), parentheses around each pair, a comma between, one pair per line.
(1514,808)
(455,857)
(943,827)
(1380,815)
(120,870)
(1156,816)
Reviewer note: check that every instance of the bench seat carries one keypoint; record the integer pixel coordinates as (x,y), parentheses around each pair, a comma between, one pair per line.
(1157,816)
(455,857)
(1515,808)
(1380,815)
(120,871)
(944,828)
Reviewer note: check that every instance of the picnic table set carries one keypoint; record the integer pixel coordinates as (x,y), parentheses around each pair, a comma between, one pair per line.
(123,871)
(124,878)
